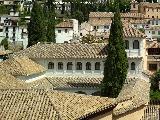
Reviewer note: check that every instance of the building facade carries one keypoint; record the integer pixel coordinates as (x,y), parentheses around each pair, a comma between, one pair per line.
(66,31)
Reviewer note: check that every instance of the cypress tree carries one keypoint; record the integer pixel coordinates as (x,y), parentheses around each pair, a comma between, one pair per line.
(50,20)
(36,27)
(116,64)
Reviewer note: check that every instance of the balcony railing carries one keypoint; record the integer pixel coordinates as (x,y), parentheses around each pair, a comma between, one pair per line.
(153,57)
(133,53)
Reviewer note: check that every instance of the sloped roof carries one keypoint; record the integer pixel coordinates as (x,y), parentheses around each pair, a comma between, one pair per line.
(66,82)
(42,105)
(8,81)
(150,5)
(153,44)
(26,105)
(78,106)
(65,24)
(19,66)
(99,22)
(134,94)
(110,15)
(63,50)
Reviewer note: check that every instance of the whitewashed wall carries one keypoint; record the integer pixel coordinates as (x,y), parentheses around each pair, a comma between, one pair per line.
(61,37)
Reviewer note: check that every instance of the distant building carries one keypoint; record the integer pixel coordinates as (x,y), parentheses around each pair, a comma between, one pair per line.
(11,29)
(66,31)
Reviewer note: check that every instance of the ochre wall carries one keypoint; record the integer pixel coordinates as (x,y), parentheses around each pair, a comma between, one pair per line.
(107,116)
(131,115)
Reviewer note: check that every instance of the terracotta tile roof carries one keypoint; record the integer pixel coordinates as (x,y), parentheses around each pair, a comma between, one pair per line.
(42,105)
(65,24)
(2,52)
(66,82)
(132,32)
(128,32)
(99,22)
(110,15)
(134,94)
(67,104)
(153,44)
(71,50)
(8,81)
(150,5)
(19,66)
(26,105)
(100,14)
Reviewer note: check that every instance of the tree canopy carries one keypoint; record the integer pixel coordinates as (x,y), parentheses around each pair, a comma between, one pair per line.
(37,26)
(116,64)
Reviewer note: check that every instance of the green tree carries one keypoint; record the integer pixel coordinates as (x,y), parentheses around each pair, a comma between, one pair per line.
(49,12)
(4,42)
(154,89)
(36,27)
(116,64)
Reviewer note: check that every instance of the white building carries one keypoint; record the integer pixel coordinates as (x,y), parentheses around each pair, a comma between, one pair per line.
(77,59)
(66,30)
(12,31)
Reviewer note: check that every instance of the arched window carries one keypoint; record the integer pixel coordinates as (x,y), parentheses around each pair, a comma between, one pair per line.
(136,44)
(126,44)
(69,66)
(88,66)
(133,66)
(60,66)
(97,66)
(79,66)
(50,65)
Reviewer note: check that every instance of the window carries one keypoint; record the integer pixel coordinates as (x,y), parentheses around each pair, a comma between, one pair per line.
(134,5)
(88,66)
(50,65)
(69,66)
(1,30)
(152,16)
(133,66)
(65,30)
(106,27)
(152,67)
(79,66)
(135,26)
(14,35)
(14,29)
(152,22)
(136,44)
(60,66)
(153,32)
(6,28)
(6,35)
(126,44)
(80,34)
(156,22)
(97,66)
(59,31)
(158,32)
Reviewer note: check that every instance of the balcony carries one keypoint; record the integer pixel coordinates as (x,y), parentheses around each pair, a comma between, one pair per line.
(153,58)
(133,53)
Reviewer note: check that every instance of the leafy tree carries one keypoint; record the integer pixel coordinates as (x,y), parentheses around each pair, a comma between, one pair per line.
(49,12)
(155,79)
(116,64)
(90,39)
(4,42)
(36,27)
